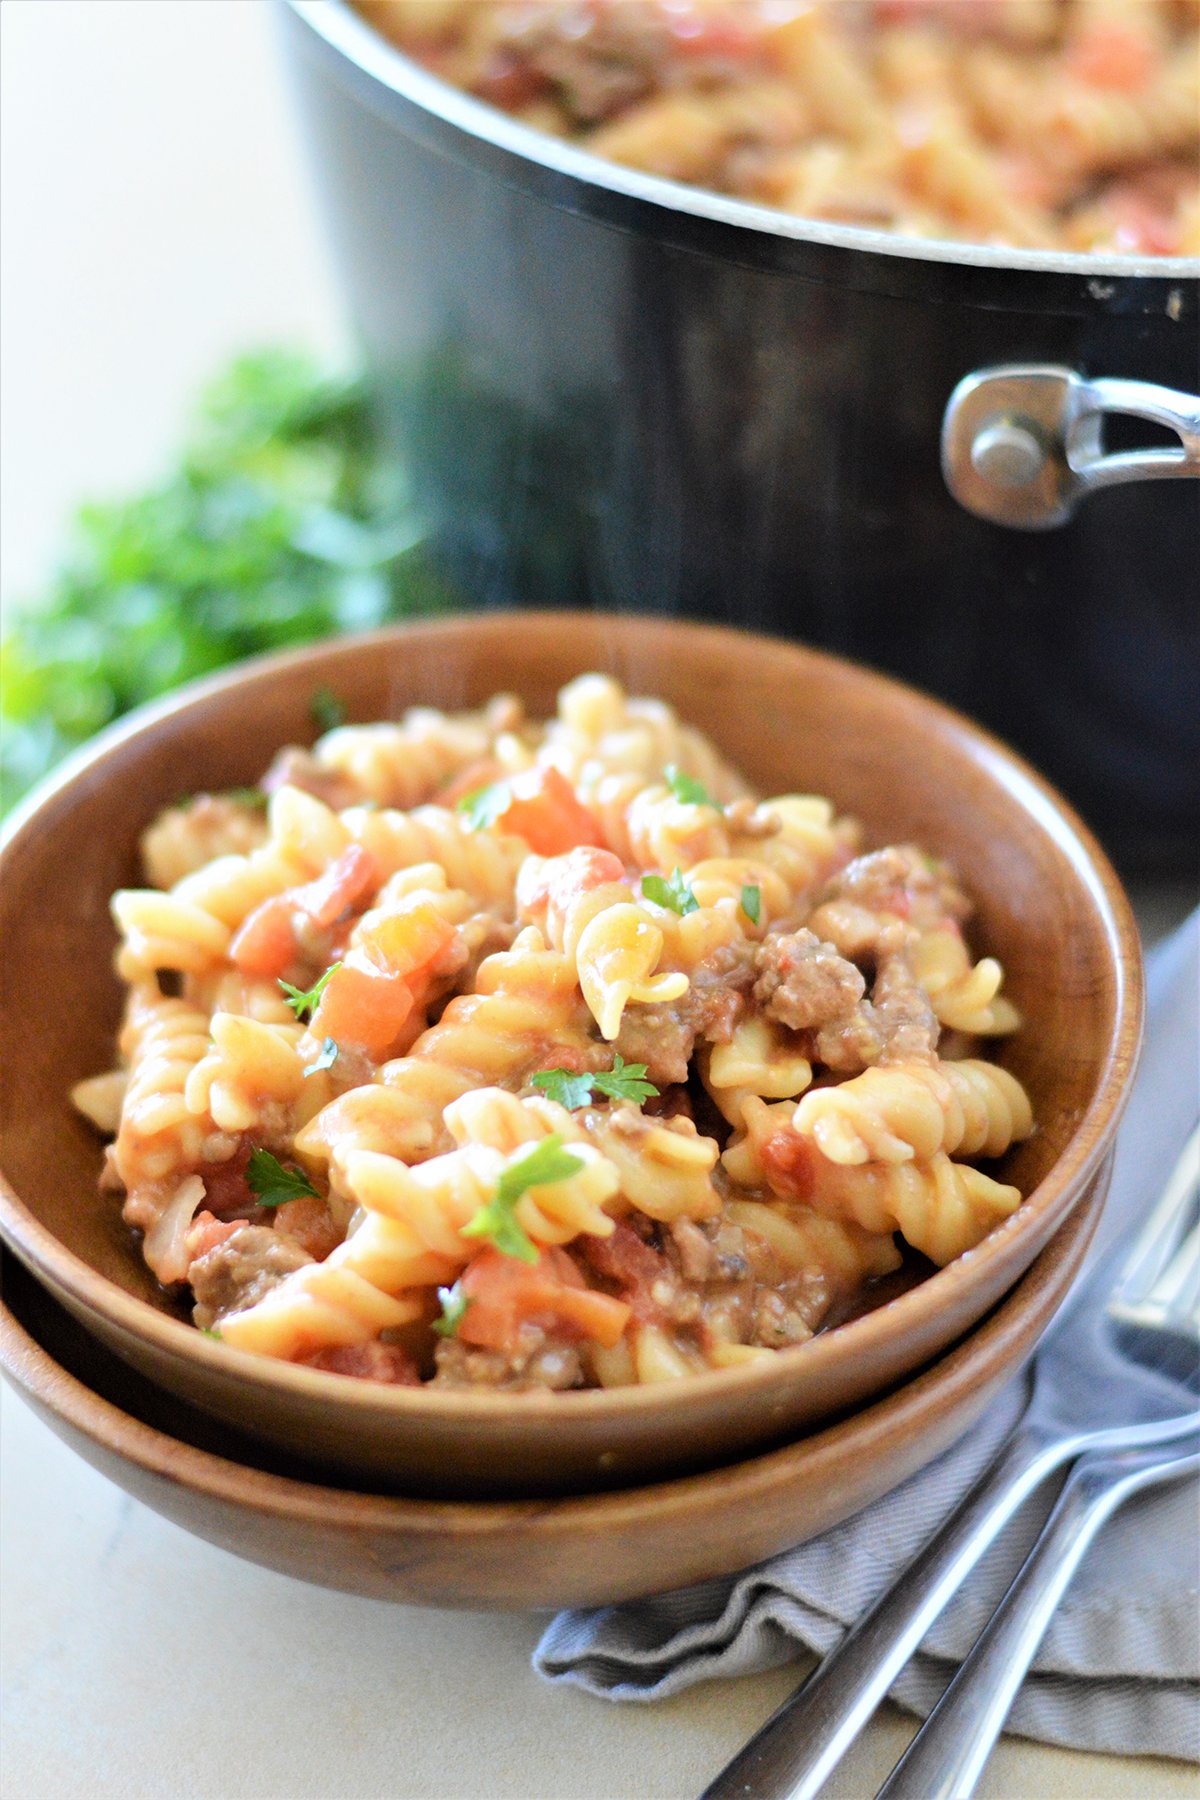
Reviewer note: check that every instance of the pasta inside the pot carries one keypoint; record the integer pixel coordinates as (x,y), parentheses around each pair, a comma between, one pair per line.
(1071,124)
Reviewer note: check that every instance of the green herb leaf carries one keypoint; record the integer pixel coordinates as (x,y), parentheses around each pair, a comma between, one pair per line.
(571,1091)
(247,796)
(675,893)
(454,1305)
(626,1081)
(326,1059)
(483,806)
(545,1163)
(305,1004)
(685,787)
(326,710)
(752,903)
(212,1332)
(274,1184)
(274,524)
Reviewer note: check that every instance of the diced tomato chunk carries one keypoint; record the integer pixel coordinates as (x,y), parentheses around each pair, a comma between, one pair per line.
(790,1162)
(348,878)
(1113,56)
(543,809)
(552,888)
(227,1193)
(363,1006)
(265,944)
(634,1265)
(504,1294)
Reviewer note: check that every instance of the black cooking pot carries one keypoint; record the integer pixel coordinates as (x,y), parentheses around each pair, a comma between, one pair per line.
(611,389)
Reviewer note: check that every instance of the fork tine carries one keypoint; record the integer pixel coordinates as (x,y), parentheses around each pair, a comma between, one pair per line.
(1178,1290)
(1159,1241)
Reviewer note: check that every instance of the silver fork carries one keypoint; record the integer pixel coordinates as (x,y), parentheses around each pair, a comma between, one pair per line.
(1116,1354)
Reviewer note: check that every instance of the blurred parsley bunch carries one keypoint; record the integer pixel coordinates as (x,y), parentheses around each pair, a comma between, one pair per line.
(278,527)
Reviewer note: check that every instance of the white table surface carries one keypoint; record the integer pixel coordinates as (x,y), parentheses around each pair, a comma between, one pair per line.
(155,219)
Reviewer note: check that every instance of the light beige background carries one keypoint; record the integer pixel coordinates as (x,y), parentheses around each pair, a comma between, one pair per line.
(155,218)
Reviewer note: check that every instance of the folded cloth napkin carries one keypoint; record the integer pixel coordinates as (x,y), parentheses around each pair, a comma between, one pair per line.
(1119,1668)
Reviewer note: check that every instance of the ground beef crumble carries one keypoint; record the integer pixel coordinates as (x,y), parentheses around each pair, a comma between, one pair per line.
(900,880)
(664,1037)
(803,982)
(239,1271)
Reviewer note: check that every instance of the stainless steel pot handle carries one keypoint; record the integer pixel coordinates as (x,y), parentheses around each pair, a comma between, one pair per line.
(1023,443)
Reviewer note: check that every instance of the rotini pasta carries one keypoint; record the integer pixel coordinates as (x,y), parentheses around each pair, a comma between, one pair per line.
(1053,123)
(508,1055)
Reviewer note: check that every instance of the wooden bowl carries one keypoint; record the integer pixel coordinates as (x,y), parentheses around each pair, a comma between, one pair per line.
(1048,905)
(583,1551)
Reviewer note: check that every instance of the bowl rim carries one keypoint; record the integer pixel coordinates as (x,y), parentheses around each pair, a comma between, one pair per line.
(35,1371)
(376,59)
(1081,1158)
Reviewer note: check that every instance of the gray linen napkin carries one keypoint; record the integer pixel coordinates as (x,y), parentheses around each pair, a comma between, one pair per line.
(1119,1668)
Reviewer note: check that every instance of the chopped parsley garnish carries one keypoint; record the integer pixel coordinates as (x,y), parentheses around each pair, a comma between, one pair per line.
(247,796)
(454,1305)
(274,1184)
(685,787)
(675,893)
(624,1081)
(752,903)
(569,1090)
(326,710)
(305,1004)
(212,1332)
(483,806)
(545,1163)
(326,1059)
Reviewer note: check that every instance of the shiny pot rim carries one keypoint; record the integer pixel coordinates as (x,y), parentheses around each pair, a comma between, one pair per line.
(456,124)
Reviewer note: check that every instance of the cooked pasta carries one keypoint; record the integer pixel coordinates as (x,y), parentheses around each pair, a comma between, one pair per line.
(1070,124)
(486,1052)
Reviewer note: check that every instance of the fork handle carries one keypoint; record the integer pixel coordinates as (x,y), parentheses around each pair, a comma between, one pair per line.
(792,1754)
(947,1756)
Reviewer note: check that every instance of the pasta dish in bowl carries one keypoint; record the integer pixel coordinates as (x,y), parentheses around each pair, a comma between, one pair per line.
(591,1113)
(1068,124)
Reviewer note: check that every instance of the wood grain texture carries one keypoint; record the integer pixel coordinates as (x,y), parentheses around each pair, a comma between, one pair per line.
(1048,905)
(578,1551)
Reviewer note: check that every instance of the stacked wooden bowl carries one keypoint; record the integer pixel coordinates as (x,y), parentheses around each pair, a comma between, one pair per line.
(449,1497)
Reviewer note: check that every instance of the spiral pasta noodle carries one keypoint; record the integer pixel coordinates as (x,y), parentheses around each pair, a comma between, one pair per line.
(1035,123)
(404,764)
(503,1054)
(912,1111)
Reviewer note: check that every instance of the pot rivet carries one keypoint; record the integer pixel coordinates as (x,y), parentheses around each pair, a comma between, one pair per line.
(1008,453)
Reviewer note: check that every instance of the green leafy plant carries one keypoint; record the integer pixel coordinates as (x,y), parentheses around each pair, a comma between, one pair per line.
(278,525)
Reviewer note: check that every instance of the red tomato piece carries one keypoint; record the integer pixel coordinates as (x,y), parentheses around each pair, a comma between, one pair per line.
(265,943)
(543,809)
(1116,57)
(363,1006)
(348,878)
(790,1162)
(505,1294)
